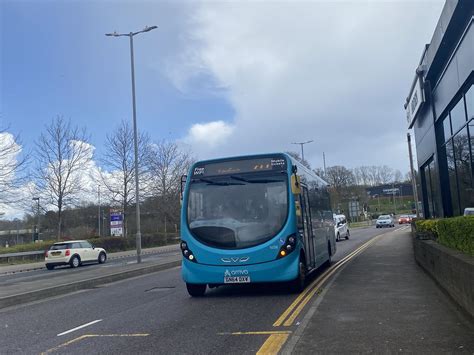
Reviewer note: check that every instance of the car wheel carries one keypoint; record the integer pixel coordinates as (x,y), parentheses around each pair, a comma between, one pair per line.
(49,267)
(348,235)
(338,237)
(102,258)
(298,284)
(75,262)
(196,290)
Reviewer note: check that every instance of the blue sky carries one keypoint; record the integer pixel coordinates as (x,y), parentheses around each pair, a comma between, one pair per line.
(56,60)
(226,78)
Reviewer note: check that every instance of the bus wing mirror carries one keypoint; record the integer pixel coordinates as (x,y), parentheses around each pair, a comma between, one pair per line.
(295,184)
(183,183)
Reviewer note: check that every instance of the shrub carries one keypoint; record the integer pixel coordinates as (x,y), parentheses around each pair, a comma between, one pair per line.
(427,226)
(457,233)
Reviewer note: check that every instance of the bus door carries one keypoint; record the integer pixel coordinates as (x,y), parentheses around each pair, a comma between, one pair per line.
(308,237)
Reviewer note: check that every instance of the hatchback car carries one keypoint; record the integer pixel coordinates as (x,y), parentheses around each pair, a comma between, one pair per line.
(341,227)
(384,220)
(73,253)
(404,218)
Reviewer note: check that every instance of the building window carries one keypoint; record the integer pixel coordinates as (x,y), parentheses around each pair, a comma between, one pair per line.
(453,185)
(462,156)
(432,192)
(458,116)
(470,103)
(447,128)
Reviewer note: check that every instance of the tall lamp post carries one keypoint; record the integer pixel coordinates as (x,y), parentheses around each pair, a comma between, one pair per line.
(302,144)
(37,199)
(135,134)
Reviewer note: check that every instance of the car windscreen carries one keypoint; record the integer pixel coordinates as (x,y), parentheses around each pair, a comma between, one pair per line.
(384,217)
(237,211)
(60,246)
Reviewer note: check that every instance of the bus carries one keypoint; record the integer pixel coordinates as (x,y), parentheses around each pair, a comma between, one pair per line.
(253,219)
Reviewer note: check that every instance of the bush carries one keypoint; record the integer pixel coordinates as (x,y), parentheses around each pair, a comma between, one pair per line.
(457,233)
(427,226)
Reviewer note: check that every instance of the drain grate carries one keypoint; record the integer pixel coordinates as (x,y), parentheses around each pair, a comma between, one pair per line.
(160,288)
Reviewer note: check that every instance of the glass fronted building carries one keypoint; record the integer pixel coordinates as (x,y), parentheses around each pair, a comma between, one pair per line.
(440,109)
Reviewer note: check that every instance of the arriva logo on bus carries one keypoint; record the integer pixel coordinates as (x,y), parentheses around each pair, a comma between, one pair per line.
(236,273)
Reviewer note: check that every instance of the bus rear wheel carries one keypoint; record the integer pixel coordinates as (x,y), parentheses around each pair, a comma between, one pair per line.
(298,284)
(196,290)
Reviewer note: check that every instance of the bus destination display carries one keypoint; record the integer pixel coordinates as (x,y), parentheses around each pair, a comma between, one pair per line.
(240,166)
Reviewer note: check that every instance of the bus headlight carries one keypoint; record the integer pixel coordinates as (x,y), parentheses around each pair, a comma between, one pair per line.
(288,246)
(188,254)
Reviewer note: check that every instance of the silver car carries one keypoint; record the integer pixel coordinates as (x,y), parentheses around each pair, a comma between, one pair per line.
(384,220)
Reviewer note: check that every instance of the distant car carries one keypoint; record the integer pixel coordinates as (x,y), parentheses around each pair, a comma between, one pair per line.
(384,220)
(73,253)
(404,218)
(469,211)
(341,227)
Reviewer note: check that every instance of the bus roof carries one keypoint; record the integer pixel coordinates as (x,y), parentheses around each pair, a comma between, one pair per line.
(300,167)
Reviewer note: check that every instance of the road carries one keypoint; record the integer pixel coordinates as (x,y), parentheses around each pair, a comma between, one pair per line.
(154,313)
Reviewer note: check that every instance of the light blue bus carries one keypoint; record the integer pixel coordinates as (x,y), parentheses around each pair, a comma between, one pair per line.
(250,219)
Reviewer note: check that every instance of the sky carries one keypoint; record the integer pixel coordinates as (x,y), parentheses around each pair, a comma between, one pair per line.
(220,78)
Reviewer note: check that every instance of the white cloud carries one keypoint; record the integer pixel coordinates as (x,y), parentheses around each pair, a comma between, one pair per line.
(209,135)
(337,73)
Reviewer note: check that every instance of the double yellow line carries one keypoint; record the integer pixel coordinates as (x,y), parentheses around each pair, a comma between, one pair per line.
(289,315)
(275,341)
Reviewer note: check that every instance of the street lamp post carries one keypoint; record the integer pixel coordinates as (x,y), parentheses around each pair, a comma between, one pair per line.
(135,133)
(37,199)
(302,144)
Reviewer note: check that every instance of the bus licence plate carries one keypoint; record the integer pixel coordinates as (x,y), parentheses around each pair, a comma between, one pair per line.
(236,279)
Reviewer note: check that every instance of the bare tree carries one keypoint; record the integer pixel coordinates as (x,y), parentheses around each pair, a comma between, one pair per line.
(119,179)
(61,152)
(12,165)
(397,176)
(339,177)
(385,174)
(167,163)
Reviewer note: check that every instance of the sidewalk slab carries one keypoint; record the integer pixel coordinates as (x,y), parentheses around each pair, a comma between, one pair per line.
(383,302)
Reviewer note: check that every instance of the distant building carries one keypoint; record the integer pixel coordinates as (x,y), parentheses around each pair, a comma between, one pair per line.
(399,189)
(440,108)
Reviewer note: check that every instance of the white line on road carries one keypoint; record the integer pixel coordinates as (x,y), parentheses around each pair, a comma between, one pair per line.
(79,327)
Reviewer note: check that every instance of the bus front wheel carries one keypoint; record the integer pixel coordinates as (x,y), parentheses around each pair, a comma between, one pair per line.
(298,284)
(196,290)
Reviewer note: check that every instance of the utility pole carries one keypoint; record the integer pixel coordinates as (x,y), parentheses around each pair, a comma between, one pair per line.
(98,215)
(135,133)
(37,229)
(412,173)
(302,144)
(324,163)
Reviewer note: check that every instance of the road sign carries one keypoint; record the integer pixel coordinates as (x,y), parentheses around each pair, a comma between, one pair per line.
(116,223)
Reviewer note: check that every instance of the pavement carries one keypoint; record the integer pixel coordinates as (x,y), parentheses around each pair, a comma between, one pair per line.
(383,302)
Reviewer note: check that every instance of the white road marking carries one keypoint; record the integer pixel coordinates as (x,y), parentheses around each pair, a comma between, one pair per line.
(79,327)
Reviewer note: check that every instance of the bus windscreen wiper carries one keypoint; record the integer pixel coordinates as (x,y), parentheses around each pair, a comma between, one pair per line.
(218,183)
(254,181)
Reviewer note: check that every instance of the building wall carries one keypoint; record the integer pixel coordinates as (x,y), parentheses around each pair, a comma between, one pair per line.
(448,73)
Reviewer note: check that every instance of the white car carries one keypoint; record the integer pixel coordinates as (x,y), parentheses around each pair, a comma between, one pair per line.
(341,227)
(384,220)
(73,253)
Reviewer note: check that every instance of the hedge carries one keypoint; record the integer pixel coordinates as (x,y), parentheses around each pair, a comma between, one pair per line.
(427,226)
(456,233)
